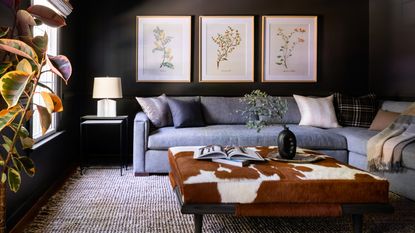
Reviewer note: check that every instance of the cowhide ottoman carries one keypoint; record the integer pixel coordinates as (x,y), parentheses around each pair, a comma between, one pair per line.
(323,188)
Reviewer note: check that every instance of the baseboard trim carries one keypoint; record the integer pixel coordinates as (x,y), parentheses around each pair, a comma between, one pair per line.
(34,210)
(141,174)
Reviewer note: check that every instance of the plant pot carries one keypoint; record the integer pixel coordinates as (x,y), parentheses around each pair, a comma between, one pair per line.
(287,143)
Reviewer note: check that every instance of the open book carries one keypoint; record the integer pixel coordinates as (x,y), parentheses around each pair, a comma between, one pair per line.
(228,152)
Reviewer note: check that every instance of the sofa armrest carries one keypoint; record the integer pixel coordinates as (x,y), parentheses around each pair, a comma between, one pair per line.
(140,137)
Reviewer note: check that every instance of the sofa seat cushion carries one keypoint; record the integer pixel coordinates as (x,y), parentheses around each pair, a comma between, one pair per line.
(356,138)
(307,137)
(408,156)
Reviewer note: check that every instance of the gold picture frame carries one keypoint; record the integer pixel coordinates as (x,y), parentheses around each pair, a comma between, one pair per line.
(226,49)
(163,49)
(289,49)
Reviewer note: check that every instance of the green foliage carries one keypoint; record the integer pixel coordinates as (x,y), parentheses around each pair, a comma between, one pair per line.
(14,179)
(258,105)
(23,57)
(12,85)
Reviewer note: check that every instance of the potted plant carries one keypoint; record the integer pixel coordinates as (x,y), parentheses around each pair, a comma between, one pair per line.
(259,106)
(24,59)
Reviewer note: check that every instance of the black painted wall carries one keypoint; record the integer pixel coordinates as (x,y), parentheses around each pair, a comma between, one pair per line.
(392,48)
(107,30)
(104,37)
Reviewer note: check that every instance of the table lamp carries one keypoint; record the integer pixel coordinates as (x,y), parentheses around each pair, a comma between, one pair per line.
(106,89)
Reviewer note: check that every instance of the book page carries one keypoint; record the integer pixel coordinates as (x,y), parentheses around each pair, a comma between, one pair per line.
(242,153)
(210,152)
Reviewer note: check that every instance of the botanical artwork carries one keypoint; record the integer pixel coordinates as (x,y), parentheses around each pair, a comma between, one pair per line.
(289,40)
(227,42)
(161,41)
(163,48)
(289,49)
(226,49)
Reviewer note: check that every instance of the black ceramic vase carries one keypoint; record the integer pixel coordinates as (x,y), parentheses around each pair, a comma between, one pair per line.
(287,143)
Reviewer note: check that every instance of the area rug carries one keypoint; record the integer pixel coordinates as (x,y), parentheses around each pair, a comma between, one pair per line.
(103,201)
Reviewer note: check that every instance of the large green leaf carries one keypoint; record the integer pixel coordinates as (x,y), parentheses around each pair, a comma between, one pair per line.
(52,101)
(61,66)
(41,43)
(24,65)
(12,85)
(7,143)
(8,115)
(38,43)
(45,118)
(14,179)
(24,22)
(4,66)
(20,48)
(27,142)
(23,131)
(17,164)
(28,165)
(47,15)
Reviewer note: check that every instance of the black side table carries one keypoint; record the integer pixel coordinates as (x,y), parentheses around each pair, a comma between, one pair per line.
(121,121)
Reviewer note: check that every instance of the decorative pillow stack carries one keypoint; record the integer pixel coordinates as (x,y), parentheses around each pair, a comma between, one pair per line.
(164,111)
(355,111)
(317,112)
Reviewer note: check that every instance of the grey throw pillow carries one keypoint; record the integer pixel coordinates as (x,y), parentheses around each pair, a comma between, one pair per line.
(186,113)
(157,110)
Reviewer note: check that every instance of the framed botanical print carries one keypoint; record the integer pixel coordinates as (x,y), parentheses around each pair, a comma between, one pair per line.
(289,49)
(226,48)
(163,48)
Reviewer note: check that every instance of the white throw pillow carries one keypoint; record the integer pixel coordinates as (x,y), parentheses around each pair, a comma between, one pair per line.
(318,112)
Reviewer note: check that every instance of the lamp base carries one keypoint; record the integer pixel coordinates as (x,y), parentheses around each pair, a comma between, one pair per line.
(106,108)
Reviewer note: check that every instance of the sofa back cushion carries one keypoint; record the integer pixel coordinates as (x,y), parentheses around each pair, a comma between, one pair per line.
(226,110)
(222,110)
(292,116)
(395,106)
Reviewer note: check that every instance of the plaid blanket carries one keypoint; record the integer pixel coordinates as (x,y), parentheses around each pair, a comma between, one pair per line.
(384,150)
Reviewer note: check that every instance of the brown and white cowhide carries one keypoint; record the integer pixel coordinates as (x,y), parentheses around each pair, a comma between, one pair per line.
(202,181)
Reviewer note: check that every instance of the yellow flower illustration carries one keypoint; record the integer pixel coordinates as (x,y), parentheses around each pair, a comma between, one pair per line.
(227,43)
(160,44)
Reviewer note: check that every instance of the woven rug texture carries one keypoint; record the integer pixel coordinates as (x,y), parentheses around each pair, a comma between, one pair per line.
(103,201)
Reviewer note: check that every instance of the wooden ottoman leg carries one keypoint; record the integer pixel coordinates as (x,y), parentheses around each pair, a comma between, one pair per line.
(357,223)
(198,219)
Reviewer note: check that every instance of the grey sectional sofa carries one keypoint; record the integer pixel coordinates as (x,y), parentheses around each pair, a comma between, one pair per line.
(225,126)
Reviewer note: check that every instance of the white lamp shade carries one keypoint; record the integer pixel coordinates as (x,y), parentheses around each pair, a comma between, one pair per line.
(107,88)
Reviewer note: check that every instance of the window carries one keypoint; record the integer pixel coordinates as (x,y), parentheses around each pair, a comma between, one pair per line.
(49,79)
